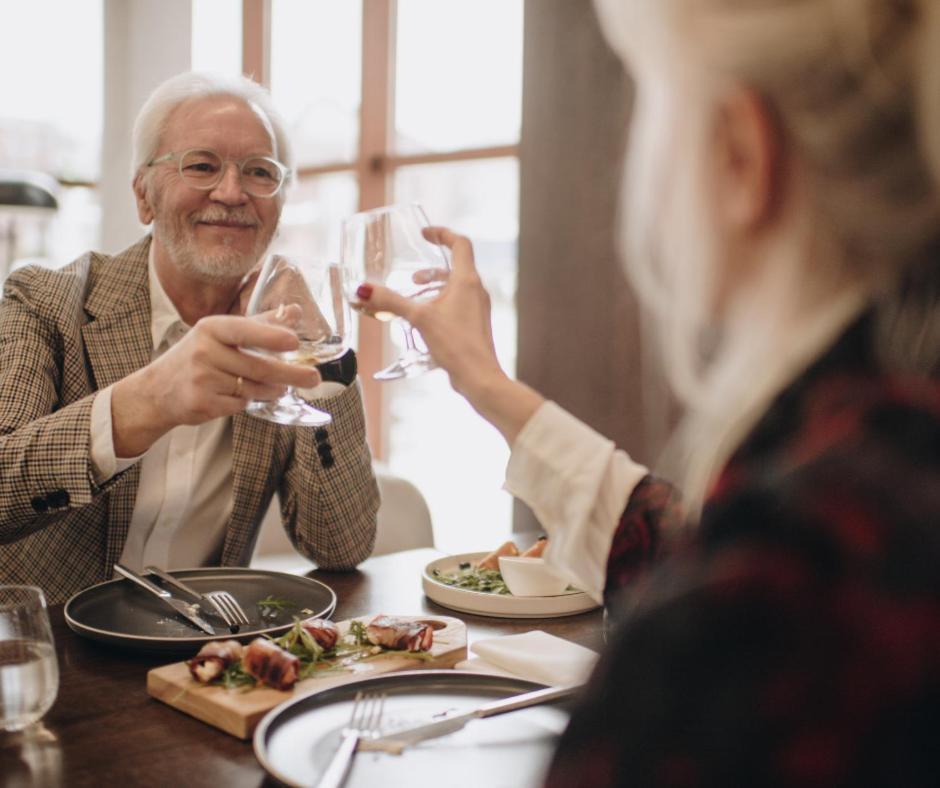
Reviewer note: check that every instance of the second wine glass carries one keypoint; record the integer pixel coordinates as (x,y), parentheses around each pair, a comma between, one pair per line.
(386,246)
(306,296)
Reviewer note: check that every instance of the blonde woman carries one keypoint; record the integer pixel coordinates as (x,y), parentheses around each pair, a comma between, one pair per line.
(782,193)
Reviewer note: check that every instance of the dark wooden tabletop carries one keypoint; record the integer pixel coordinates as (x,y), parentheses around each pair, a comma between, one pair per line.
(105,730)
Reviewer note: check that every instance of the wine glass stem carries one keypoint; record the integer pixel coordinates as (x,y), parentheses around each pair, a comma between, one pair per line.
(409,337)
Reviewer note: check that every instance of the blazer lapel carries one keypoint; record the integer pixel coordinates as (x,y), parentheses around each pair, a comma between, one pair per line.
(118,342)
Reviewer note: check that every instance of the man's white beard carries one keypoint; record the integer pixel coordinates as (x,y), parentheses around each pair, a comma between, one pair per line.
(218,265)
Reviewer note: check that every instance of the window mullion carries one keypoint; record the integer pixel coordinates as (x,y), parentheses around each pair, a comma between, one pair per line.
(256,40)
(376,116)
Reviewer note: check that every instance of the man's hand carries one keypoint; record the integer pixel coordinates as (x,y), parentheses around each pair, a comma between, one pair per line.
(204,376)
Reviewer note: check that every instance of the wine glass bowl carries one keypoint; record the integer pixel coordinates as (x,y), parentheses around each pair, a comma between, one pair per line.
(306,296)
(386,246)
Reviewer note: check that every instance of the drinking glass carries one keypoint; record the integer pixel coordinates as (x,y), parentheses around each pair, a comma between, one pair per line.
(29,672)
(306,296)
(385,246)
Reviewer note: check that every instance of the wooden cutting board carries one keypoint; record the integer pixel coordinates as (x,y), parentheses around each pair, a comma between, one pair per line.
(238,711)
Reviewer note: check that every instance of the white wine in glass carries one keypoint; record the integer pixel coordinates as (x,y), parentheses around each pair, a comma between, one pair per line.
(306,296)
(386,246)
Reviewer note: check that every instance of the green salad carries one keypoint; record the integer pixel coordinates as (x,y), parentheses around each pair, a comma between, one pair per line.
(467,576)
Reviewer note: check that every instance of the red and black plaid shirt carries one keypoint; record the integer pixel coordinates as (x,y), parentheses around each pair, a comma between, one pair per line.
(796,641)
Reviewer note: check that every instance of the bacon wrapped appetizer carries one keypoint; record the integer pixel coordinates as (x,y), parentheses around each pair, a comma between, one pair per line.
(324,632)
(491,561)
(537,549)
(213,658)
(269,664)
(400,634)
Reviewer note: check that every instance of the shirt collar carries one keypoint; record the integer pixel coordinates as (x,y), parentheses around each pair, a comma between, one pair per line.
(166,325)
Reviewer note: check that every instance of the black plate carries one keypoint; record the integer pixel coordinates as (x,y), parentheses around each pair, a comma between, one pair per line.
(295,741)
(121,613)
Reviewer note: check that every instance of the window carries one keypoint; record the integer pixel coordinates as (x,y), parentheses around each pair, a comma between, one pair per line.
(437,124)
(217,33)
(50,124)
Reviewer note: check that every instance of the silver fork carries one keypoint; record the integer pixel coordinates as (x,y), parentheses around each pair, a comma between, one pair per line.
(364,722)
(222,602)
(228,607)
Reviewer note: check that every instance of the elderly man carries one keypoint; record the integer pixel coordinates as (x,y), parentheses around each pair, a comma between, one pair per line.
(122,384)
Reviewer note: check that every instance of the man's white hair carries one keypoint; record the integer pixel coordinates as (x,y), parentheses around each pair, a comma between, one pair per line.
(152,118)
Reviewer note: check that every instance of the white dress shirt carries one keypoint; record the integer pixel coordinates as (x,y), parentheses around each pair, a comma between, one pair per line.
(577,484)
(184,498)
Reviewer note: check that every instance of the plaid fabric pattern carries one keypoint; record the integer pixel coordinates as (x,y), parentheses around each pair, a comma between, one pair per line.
(66,333)
(796,640)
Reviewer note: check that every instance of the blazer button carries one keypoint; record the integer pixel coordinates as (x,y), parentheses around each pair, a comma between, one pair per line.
(320,435)
(327,460)
(323,449)
(40,504)
(58,498)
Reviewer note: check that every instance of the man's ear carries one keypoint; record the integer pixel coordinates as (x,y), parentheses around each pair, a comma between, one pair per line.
(144,210)
(747,161)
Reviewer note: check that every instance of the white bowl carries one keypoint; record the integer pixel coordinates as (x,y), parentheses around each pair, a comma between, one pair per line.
(530,577)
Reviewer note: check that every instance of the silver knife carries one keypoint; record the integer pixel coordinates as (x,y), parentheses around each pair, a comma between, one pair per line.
(187,611)
(166,577)
(396,741)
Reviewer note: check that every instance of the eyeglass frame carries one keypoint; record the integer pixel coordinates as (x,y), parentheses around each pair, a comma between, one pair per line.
(283,169)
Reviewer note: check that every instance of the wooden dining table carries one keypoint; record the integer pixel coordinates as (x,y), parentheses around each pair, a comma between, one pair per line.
(105,730)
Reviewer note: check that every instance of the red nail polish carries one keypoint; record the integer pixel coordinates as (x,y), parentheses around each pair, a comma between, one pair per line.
(364,291)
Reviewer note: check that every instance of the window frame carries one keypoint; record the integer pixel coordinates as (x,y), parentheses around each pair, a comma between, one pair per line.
(375,164)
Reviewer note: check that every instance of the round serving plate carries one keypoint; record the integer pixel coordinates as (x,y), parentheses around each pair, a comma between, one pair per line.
(499,605)
(120,613)
(296,741)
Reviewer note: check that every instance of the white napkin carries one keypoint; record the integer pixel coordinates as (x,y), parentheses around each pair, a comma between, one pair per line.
(534,655)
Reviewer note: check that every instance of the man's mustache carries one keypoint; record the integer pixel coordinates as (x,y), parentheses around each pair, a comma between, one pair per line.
(236,218)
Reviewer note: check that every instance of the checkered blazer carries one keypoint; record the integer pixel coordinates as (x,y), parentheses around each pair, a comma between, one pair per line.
(66,333)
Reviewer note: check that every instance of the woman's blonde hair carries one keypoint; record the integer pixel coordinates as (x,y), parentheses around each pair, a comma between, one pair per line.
(855,88)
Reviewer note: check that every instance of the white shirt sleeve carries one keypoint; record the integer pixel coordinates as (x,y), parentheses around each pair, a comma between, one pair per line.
(104,463)
(577,483)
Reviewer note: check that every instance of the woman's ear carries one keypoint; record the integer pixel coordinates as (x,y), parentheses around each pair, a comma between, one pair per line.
(144,210)
(747,162)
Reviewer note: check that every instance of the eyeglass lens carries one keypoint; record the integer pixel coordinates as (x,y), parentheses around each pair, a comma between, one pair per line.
(203,169)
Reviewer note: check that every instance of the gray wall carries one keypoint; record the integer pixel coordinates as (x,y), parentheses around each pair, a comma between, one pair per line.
(578,328)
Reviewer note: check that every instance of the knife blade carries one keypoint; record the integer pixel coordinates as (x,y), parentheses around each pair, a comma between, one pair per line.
(187,611)
(396,741)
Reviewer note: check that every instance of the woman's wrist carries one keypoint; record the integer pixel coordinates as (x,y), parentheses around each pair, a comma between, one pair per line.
(506,403)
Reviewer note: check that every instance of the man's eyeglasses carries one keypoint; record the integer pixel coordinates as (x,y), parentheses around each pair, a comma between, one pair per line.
(203,169)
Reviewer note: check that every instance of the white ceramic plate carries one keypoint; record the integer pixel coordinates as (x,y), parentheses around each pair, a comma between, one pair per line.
(295,741)
(498,605)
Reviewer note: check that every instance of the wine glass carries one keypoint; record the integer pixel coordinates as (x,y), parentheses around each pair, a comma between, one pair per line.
(386,246)
(306,296)
(29,672)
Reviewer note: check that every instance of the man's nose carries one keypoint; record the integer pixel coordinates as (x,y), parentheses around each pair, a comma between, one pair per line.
(229,190)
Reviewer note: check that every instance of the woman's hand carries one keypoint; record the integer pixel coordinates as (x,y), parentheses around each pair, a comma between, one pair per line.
(457,329)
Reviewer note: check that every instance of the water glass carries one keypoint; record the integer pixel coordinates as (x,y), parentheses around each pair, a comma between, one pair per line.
(29,672)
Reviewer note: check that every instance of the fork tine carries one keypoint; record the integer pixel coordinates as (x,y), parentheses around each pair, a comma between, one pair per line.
(223,614)
(234,607)
(366,715)
(220,608)
(228,606)
(240,614)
